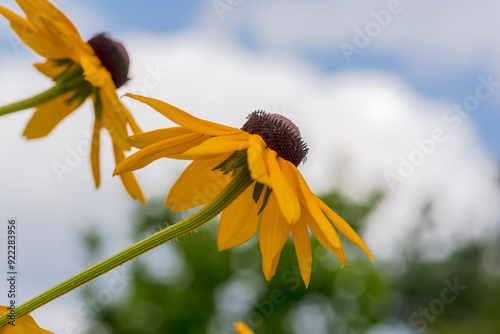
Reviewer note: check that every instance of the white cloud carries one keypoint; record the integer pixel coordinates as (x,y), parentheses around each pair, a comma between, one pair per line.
(428,36)
(355,123)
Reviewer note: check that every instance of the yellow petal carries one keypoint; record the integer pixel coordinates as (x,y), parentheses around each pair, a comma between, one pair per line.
(239,221)
(287,168)
(316,220)
(68,40)
(94,153)
(50,68)
(184,119)
(343,227)
(274,265)
(114,117)
(38,40)
(274,231)
(198,184)
(287,200)
(34,9)
(220,145)
(303,249)
(147,138)
(49,114)
(324,232)
(47,20)
(128,179)
(131,121)
(94,72)
(23,325)
(256,160)
(168,148)
(241,328)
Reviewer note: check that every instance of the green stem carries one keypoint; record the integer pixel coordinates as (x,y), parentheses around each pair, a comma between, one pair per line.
(41,98)
(237,185)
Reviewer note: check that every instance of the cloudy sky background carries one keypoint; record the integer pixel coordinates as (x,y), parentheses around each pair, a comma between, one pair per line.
(361,115)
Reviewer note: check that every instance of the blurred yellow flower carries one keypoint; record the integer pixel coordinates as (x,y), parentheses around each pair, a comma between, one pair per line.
(241,328)
(79,70)
(23,325)
(279,199)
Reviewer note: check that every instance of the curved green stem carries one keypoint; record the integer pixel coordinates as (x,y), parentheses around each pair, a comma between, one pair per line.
(237,185)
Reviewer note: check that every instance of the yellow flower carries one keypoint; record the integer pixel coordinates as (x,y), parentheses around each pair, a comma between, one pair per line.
(80,70)
(23,325)
(279,200)
(241,328)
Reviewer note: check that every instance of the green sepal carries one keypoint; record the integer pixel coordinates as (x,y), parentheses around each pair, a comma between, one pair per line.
(257,191)
(97,102)
(266,198)
(234,163)
(81,94)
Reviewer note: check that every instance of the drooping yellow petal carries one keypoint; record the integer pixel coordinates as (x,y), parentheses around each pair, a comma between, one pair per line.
(23,325)
(287,168)
(302,244)
(147,138)
(220,145)
(256,160)
(50,68)
(38,40)
(316,220)
(198,184)
(48,115)
(241,328)
(274,265)
(239,221)
(128,179)
(133,124)
(168,148)
(287,200)
(343,227)
(184,119)
(94,152)
(274,231)
(324,232)
(114,117)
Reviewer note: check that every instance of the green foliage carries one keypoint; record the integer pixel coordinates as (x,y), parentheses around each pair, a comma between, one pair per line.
(188,286)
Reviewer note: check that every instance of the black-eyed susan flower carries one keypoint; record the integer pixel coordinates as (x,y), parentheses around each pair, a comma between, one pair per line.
(249,175)
(241,328)
(79,70)
(270,147)
(23,325)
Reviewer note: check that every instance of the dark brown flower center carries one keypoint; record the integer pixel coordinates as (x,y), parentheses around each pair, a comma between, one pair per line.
(113,56)
(279,133)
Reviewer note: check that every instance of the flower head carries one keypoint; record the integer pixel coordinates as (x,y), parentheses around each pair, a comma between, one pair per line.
(23,325)
(279,199)
(79,70)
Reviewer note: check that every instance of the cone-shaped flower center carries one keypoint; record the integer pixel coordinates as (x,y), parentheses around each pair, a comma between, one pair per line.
(279,133)
(113,56)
